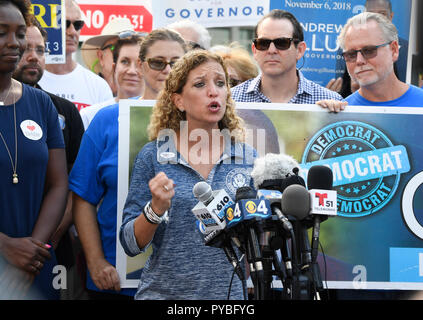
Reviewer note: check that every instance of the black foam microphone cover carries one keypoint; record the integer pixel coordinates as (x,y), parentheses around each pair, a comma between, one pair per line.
(291,180)
(320,177)
(245,193)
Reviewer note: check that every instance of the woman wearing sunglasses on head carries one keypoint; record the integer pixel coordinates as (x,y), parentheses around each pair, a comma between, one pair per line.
(196,98)
(33,172)
(159,51)
(93,179)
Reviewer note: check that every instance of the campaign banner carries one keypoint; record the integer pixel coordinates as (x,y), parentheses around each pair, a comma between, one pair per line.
(49,14)
(322,21)
(375,240)
(98,13)
(210,13)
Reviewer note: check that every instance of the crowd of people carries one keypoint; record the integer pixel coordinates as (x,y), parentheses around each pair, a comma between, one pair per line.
(59,167)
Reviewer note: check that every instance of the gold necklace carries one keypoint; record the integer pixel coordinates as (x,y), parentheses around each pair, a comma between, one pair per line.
(14,165)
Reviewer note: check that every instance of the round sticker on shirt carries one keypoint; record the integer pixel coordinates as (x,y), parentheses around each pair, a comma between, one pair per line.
(31,130)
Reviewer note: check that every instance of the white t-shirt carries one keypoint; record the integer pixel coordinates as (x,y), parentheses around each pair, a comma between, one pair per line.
(87,114)
(81,86)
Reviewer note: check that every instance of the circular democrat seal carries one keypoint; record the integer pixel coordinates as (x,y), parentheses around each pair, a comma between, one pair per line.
(366,165)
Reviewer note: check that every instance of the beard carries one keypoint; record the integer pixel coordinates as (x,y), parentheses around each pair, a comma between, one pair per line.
(27,76)
(372,78)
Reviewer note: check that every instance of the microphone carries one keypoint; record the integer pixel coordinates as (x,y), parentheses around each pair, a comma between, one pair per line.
(272,171)
(276,172)
(210,212)
(319,182)
(251,211)
(296,203)
(272,174)
(212,205)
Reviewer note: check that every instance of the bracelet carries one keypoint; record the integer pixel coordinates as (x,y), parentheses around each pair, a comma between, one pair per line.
(152,217)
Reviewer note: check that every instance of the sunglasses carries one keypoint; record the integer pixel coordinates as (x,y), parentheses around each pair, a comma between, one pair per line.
(159,64)
(368,52)
(280,43)
(125,35)
(77,24)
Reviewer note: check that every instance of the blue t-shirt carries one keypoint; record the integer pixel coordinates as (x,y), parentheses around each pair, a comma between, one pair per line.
(38,130)
(413,97)
(94,177)
(181,266)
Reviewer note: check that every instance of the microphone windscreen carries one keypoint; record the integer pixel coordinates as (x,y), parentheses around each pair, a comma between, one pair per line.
(320,177)
(296,201)
(202,191)
(246,192)
(272,167)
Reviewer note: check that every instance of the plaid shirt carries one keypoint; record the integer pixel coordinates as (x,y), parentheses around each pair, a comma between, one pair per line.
(308,92)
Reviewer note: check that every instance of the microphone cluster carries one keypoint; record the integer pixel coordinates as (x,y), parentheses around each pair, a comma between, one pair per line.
(269,225)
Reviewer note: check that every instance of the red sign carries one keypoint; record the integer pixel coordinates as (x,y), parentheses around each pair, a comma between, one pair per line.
(97,16)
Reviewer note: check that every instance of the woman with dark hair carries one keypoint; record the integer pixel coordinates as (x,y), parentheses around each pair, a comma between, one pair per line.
(33,184)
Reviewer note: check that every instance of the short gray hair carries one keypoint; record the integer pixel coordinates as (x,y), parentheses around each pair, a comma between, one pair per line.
(203,34)
(389,31)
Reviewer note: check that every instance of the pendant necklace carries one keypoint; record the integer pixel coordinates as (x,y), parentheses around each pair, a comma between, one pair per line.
(14,165)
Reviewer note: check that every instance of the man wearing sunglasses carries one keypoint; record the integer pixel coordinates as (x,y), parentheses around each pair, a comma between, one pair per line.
(277,47)
(370,48)
(71,80)
(383,7)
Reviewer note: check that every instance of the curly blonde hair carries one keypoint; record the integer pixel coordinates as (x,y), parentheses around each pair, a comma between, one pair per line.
(167,116)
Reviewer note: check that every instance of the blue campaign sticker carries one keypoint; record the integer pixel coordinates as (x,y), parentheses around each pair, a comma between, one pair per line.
(406,264)
(366,165)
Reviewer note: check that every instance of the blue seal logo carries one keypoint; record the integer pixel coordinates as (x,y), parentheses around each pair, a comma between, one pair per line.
(366,165)
(237,178)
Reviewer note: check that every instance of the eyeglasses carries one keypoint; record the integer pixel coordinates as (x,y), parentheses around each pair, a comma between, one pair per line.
(368,52)
(159,64)
(234,82)
(40,51)
(280,43)
(77,24)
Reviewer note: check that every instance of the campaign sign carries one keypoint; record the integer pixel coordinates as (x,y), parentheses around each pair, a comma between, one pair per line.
(210,14)
(375,240)
(97,16)
(49,14)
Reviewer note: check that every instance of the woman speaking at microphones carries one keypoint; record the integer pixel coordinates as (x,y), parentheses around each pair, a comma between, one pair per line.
(195,136)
